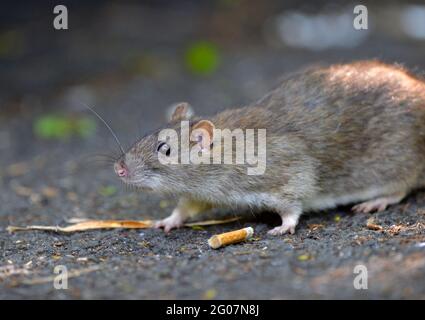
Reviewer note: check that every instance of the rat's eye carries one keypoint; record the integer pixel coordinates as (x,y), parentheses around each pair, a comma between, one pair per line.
(164,148)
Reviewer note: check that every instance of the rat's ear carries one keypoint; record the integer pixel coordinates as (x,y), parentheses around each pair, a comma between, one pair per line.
(180,111)
(203,133)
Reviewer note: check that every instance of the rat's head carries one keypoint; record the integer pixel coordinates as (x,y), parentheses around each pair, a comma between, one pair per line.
(141,165)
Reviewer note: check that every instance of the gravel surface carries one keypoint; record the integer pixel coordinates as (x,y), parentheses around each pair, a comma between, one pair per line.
(47,182)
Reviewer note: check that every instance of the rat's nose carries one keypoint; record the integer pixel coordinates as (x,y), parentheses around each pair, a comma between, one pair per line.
(121,169)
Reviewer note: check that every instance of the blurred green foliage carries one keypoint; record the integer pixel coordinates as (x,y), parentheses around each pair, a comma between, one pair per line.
(85,127)
(198,228)
(61,127)
(11,44)
(202,58)
(107,191)
(146,64)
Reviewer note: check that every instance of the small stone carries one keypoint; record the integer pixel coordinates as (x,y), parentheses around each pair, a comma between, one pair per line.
(36,198)
(209,294)
(82,259)
(49,192)
(17,169)
(23,191)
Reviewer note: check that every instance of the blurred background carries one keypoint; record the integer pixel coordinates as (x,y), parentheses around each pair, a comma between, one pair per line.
(131,60)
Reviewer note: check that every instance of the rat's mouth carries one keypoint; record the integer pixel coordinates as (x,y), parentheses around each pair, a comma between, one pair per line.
(121,169)
(140,184)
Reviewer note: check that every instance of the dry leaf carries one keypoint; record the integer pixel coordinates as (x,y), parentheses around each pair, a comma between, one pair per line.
(89,225)
(111,224)
(211,222)
(396,229)
(315,226)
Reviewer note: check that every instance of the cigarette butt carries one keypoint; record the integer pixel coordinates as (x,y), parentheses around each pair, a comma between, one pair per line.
(236,236)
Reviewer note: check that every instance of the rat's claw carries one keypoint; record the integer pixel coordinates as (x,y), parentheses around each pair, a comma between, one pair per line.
(379,204)
(370,206)
(169,223)
(287,226)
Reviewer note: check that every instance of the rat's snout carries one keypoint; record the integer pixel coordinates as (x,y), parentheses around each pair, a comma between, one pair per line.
(121,169)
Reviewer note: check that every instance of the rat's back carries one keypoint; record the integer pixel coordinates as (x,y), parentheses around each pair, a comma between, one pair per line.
(363,122)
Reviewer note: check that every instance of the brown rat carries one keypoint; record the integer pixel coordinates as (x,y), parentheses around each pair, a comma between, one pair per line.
(349,133)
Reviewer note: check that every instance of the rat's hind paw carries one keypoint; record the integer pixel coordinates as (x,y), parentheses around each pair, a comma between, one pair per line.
(370,206)
(169,223)
(379,204)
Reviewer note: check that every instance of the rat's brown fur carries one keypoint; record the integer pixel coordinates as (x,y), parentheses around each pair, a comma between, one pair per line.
(335,135)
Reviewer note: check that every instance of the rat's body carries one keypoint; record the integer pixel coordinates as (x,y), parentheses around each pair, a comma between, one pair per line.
(337,135)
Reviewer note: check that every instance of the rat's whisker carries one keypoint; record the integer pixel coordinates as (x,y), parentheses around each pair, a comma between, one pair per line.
(100,158)
(107,126)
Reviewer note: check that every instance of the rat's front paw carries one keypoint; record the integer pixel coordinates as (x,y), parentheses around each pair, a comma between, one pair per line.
(173,221)
(288,225)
